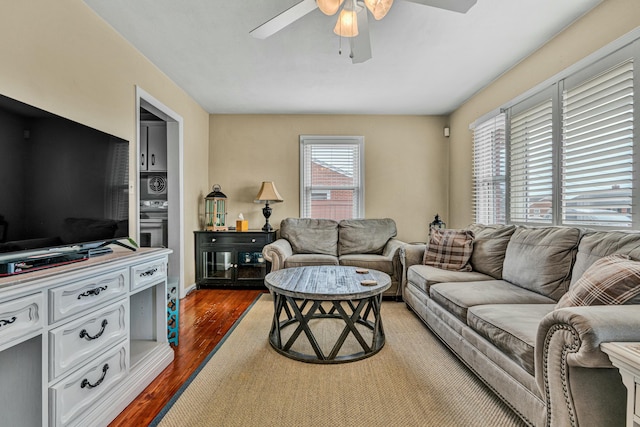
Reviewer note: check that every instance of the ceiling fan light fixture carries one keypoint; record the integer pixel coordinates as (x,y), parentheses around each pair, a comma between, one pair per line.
(329,7)
(378,8)
(347,25)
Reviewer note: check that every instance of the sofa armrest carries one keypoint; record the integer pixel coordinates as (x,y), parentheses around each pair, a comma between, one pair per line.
(393,248)
(277,252)
(411,254)
(569,362)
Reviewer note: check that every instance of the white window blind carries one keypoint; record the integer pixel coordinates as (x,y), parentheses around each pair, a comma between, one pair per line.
(332,167)
(489,169)
(597,149)
(531,165)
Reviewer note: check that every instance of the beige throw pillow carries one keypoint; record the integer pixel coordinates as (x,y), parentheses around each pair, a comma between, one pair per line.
(614,279)
(449,249)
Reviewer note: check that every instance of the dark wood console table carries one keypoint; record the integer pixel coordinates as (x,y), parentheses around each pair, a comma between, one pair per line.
(231,258)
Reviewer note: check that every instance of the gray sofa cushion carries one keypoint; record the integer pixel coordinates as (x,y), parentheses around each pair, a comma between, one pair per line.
(302,260)
(365,236)
(489,248)
(423,276)
(456,298)
(371,261)
(514,335)
(540,259)
(599,244)
(311,236)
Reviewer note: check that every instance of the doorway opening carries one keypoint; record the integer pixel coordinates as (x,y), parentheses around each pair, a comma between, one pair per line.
(159,206)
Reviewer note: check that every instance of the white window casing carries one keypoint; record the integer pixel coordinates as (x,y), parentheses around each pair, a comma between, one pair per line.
(489,169)
(331,166)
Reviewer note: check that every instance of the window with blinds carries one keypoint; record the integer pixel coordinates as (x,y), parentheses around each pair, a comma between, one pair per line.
(597,149)
(531,164)
(570,157)
(332,177)
(489,170)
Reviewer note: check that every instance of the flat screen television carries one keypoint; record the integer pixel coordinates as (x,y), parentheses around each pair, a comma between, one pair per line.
(62,184)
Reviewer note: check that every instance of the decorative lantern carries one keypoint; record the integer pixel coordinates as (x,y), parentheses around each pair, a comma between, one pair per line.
(437,223)
(215,210)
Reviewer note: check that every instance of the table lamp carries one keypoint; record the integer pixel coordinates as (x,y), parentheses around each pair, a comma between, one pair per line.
(268,194)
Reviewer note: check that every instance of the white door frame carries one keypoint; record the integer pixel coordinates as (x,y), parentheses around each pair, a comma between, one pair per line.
(175,178)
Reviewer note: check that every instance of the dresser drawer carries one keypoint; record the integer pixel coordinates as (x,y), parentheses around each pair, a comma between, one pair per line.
(237,238)
(20,316)
(148,273)
(70,397)
(74,342)
(76,297)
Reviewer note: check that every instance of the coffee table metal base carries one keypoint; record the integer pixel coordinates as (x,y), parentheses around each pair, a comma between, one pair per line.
(290,312)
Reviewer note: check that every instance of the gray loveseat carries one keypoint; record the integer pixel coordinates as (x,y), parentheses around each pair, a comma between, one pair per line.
(501,320)
(366,243)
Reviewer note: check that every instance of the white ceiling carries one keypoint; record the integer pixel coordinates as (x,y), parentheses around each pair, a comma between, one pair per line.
(426,61)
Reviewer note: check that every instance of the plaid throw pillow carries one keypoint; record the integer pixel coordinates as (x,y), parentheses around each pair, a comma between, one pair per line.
(614,279)
(449,249)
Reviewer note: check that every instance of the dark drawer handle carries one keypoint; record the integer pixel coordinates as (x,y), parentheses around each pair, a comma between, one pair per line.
(85,382)
(149,272)
(94,291)
(4,322)
(84,334)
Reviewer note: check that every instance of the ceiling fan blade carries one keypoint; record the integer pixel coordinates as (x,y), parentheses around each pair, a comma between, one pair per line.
(287,17)
(361,44)
(461,6)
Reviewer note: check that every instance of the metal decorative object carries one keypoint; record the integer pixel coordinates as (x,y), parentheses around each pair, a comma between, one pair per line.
(437,223)
(85,382)
(4,322)
(215,210)
(84,334)
(95,291)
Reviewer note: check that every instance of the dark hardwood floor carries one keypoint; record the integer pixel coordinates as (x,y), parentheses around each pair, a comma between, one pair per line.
(205,317)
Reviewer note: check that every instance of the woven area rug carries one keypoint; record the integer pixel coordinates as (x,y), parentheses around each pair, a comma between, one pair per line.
(413,381)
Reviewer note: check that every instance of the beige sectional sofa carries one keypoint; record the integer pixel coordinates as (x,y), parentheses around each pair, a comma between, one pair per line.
(501,320)
(366,243)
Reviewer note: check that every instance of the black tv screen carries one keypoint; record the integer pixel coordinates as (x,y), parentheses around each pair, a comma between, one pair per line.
(61,183)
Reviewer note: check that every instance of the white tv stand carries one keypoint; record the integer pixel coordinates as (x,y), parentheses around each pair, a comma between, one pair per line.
(79,342)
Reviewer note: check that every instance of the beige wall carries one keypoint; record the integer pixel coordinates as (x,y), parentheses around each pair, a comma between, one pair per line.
(61,57)
(406,161)
(607,22)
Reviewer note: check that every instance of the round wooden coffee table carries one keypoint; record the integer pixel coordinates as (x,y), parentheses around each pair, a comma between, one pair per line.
(305,294)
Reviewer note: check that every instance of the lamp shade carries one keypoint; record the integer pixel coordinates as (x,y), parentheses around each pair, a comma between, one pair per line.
(329,7)
(268,193)
(378,8)
(347,25)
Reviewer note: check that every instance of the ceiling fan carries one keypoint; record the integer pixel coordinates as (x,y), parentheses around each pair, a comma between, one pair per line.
(352,20)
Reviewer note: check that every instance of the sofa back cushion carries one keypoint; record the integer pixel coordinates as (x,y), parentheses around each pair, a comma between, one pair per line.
(311,236)
(365,236)
(540,259)
(489,248)
(611,280)
(599,244)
